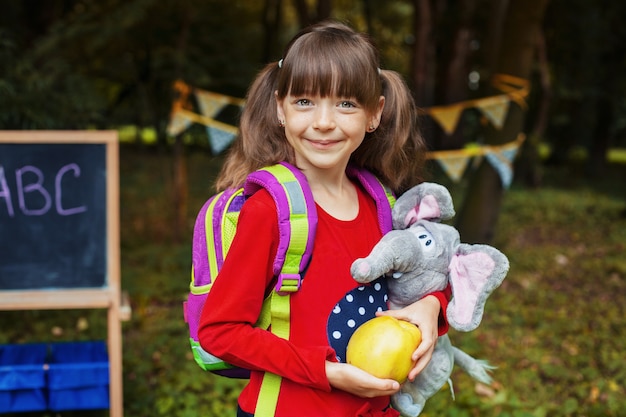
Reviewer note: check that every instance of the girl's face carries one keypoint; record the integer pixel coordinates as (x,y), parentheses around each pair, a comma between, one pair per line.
(324,131)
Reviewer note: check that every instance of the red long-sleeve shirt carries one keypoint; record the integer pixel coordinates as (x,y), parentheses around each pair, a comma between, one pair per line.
(227,324)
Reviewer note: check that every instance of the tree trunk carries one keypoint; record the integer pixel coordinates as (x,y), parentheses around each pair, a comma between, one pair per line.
(528,164)
(271,23)
(479,214)
(323,9)
(597,160)
(368,16)
(453,81)
(180,191)
(423,54)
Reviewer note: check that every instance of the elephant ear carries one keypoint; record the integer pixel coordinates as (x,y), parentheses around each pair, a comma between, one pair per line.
(475,271)
(425,201)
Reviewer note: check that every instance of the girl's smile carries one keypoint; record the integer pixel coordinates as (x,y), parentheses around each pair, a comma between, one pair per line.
(321,143)
(324,131)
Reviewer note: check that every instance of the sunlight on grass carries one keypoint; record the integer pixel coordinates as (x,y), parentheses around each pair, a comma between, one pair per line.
(129,134)
(614,155)
(617,155)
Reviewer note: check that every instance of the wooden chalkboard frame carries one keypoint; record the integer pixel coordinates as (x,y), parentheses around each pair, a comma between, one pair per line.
(109,296)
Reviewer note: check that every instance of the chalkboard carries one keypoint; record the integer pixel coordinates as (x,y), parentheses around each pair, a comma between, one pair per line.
(59,230)
(53,220)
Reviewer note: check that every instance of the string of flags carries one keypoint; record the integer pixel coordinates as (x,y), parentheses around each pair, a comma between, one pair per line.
(493,108)
(453,162)
(221,135)
(501,157)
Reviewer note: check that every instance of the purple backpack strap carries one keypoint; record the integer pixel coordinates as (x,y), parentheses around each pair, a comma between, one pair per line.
(297,220)
(382,195)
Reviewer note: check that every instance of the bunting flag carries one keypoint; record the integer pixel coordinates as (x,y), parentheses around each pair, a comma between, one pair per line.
(220,135)
(209,104)
(501,158)
(516,88)
(454,166)
(447,117)
(178,124)
(219,139)
(494,108)
(212,103)
(454,162)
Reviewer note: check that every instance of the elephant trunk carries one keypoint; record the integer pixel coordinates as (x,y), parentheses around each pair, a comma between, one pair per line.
(388,256)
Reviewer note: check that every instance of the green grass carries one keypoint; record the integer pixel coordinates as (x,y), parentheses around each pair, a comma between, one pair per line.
(554,329)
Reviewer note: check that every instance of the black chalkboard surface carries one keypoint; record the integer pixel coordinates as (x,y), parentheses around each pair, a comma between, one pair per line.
(53,216)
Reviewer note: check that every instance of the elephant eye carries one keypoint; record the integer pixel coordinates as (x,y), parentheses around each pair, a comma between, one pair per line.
(428,241)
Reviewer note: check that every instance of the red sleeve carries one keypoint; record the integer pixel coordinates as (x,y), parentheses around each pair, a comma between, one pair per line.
(443,297)
(234,303)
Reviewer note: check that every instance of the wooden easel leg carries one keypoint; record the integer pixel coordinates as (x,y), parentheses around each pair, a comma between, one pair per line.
(116,402)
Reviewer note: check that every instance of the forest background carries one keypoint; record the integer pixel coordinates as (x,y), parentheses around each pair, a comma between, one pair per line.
(554,328)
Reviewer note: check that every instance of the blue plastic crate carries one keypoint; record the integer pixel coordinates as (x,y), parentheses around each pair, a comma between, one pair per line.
(78,376)
(22,377)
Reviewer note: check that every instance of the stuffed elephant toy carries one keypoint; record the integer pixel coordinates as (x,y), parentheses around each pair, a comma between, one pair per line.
(420,256)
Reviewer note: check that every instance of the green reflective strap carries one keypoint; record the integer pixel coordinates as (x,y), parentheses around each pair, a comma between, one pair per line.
(265,317)
(210,238)
(279,301)
(205,360)
(210,234)
(268,396)
(270,387)
(390,197)
(280,315)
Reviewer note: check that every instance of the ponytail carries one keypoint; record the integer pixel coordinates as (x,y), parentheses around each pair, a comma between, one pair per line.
(396,150)
(260,141)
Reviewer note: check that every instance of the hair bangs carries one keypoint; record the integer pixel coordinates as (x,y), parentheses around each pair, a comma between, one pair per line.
(344,70)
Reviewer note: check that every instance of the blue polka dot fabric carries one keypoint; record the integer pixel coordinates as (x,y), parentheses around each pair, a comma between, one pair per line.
(354,309)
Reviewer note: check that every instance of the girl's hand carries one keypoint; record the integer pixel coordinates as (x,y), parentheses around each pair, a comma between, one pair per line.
(423,313)
(351,379)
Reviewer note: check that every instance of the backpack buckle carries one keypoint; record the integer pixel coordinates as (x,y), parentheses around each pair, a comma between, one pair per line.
(288,283)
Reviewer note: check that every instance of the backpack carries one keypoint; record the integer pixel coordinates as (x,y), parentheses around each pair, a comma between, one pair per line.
(215,228)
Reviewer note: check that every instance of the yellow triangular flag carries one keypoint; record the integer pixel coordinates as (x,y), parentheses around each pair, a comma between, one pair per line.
(454,166)
(447,116)
(495,109)
(210,103)
(178,123)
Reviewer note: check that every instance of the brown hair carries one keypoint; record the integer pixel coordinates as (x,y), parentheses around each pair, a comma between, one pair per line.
(330,59)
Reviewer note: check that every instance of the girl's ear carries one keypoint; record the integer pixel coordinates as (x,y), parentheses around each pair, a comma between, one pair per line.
(375,119)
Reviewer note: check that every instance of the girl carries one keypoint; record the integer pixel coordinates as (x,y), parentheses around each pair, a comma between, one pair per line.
(325,105)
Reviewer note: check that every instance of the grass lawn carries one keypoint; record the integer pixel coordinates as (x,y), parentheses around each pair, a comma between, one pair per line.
(555,329)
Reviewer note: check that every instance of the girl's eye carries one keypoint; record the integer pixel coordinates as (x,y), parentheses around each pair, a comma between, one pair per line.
(303,102)
(347,104)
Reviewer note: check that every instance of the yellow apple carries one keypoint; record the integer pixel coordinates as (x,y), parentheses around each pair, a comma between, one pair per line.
(383,347)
